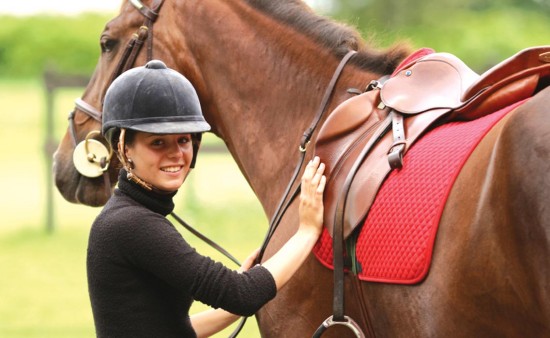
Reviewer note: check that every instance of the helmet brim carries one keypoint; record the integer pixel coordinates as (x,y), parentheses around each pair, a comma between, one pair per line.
(174,127)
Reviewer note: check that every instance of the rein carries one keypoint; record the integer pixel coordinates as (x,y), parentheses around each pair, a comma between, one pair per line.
(287,199)
(338,318)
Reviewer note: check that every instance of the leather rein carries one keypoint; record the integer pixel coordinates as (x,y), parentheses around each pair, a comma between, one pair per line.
(288,198)
(338,318)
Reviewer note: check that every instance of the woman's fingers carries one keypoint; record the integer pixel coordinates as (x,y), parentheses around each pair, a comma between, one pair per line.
(318,174)
(312,168)
(311,197)
(247,263)
(321,186)
(313,182)
(313,174)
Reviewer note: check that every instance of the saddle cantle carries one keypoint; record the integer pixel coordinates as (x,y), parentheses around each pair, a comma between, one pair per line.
(355,141)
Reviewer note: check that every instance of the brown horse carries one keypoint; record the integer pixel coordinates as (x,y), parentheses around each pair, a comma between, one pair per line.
(261,68)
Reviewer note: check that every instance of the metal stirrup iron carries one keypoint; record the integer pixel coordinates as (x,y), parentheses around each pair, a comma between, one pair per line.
(347,322)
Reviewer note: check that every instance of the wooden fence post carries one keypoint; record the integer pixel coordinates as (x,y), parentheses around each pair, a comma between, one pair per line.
(53,81)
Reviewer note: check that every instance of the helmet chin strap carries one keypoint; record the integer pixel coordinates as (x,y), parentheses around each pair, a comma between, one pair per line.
(128,165)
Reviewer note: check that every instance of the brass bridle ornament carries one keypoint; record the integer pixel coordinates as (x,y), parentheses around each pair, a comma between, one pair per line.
(91,157)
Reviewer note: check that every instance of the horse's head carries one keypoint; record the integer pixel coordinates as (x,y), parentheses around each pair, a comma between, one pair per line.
(230,51)
(85,170)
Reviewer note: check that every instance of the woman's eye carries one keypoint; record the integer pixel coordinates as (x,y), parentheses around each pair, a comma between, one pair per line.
(157,142)
(184,139)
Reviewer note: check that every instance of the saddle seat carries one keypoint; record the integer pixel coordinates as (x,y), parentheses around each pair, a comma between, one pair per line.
(354,142)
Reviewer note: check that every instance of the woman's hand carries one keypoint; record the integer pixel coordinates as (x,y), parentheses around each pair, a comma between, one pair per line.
(284,263)
(311,196)
(249,261)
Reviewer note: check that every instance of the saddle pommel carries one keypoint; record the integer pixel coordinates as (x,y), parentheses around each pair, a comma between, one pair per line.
(435,81)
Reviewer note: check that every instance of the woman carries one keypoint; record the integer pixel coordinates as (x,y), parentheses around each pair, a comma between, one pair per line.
(142,275)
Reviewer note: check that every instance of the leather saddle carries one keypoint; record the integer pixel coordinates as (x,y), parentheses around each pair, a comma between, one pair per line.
(355,141)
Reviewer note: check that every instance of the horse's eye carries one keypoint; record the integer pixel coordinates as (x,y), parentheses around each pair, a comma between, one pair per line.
(107,44)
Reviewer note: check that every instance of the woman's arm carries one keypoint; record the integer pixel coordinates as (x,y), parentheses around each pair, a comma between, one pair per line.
(290,257)
(212,321)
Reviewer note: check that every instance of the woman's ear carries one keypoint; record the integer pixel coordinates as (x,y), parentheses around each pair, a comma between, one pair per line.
(128,152)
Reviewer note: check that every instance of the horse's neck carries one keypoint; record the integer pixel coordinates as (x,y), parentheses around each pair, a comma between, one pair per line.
(261,86)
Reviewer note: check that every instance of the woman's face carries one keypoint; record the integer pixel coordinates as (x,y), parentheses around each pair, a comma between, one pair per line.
(161,160)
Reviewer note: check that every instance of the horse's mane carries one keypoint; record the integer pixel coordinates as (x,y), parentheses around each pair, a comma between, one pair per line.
(338,37)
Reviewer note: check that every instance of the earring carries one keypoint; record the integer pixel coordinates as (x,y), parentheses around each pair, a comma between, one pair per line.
(130,163)
(130,176)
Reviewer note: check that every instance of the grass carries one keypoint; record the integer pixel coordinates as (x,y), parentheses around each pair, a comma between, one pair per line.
(43,290)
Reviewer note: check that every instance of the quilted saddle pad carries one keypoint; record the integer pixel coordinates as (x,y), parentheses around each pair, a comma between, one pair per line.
(396,241)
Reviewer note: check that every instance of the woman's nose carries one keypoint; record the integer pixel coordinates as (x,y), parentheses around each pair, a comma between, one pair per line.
(176,149)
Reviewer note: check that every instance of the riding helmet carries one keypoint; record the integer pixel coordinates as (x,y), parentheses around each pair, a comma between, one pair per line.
(153,99)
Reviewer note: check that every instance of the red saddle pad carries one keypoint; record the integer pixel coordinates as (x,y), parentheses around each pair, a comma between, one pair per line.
(396,246)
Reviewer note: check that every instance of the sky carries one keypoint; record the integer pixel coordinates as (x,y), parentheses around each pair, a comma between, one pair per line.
(72,7)
(67,7)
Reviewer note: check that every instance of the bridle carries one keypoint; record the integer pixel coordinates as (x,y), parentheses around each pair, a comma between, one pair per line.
(91,157)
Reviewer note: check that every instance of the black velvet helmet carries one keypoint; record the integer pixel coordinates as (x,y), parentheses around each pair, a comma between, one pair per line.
(153,99)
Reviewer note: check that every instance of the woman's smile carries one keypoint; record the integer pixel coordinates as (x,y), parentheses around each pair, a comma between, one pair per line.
(171,154)
(172,169)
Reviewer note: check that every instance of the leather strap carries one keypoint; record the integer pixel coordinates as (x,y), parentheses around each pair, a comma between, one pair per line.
(88,109)
(338,234)
(287,198)
(151,14)
(205,239)
(145,32)
(324,102)
(395,154)
(338,317)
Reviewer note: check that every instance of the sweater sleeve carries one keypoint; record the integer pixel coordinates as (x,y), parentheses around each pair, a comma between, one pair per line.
(151,242)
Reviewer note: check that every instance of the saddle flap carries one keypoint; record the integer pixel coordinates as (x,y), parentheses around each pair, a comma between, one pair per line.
(346,117)
(342,136)
(434,81)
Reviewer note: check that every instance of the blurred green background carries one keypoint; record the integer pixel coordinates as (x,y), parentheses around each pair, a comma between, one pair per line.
(43,290)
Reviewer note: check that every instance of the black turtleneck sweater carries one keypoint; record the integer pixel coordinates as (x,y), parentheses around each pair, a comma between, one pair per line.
(143,276)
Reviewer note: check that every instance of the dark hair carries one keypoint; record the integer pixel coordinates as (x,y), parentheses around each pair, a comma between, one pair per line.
(130,135)
(114,137)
